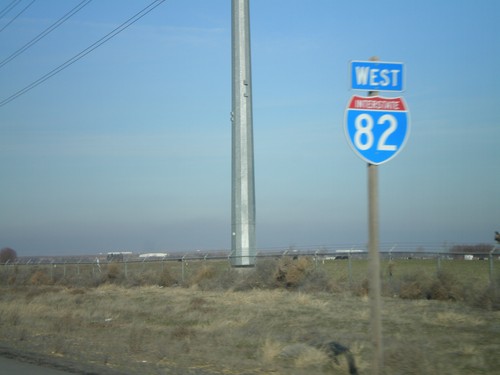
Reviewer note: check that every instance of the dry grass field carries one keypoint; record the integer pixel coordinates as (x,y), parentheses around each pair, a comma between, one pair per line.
(275,319)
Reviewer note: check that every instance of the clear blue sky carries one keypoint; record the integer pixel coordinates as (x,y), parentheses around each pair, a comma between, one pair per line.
(130,147)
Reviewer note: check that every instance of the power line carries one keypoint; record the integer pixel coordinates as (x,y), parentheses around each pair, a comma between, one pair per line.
(44,33)
(85,52)
(8,8)
(17,15)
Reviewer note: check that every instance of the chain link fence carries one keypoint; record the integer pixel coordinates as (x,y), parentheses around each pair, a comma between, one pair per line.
(346,267)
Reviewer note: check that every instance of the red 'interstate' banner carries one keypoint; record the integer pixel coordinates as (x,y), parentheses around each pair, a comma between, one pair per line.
(377,103)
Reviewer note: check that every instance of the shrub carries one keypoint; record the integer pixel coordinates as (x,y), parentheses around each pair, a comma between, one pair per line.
(40,277)
(225,280)
(291,273)
(362,288)
(203,277)
(166,278)
(412,286)
(113,271)
(7,255)
(445,287)
(260,277)
(208,277)
(142,278)
(488,298)
(318,280)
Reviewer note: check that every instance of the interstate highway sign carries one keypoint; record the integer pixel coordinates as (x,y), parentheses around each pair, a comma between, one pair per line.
(376,128)
(377,76)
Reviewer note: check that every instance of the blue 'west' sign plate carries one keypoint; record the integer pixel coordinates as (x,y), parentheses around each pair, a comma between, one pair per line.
(377,76)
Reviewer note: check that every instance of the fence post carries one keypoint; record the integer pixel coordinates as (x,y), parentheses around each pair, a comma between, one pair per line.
(229,259)
(492,270)
(98,267)
(438,263)
(349,267)
(183,271)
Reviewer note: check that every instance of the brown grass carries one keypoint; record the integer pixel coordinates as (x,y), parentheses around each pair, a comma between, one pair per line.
(164,330)
(210,319)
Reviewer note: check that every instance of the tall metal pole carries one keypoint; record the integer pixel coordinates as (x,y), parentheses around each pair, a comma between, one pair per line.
(243,187)
(373,249)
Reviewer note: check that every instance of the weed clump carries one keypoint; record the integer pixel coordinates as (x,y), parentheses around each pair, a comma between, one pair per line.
(203,276)
(488,298)
(166,278)
(411,289)
(362,289)
(113,272)
(287,273)
(292,272)
(260,277)
(40,277)
(443,287)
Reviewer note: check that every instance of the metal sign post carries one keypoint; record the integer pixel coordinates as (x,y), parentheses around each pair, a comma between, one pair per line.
(374,273)
(377,129)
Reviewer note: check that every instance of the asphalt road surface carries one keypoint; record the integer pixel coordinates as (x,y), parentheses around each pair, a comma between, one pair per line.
(12,367)
(17,362)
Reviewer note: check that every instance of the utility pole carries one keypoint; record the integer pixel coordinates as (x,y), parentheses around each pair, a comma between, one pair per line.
(243,250)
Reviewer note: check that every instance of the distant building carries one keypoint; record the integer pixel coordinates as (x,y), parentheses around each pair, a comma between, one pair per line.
(153,255)
(117,256)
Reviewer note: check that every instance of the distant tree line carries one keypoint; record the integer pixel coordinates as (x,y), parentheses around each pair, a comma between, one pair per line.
(478,249)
